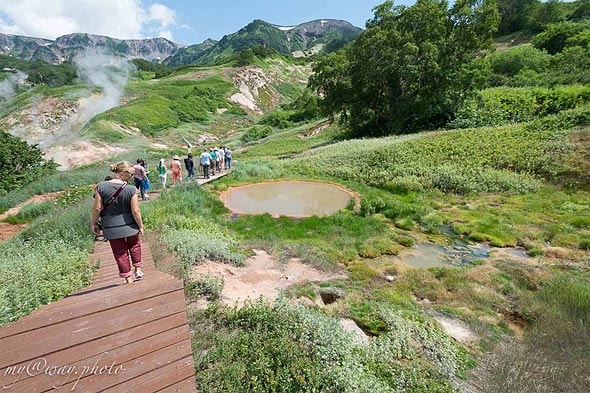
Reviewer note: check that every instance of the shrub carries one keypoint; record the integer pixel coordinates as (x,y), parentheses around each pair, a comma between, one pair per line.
(193,246)
(205,285)
(555,37)
(38,272)
(255,133)
(288,348)
(278,119)
(512,61)
(503,105)
(20,163)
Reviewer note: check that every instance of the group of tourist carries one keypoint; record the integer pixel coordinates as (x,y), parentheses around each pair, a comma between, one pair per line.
(215,159)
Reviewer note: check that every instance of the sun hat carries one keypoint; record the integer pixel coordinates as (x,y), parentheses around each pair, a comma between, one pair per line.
(175,157)
(162,160)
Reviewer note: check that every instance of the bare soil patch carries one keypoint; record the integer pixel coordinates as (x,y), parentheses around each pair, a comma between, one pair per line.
(262,276)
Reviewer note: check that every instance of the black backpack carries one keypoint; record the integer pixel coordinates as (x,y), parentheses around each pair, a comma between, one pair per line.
(186,163)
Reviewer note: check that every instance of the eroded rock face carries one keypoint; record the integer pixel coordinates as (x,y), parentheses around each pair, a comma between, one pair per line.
(253,84)
(54,124)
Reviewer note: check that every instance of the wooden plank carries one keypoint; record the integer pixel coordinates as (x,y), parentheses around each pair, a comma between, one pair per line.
(130,370)
(108,343)
(142,328)
(77,306)
(177,372)
(41,342)
(185,386)
(117,356)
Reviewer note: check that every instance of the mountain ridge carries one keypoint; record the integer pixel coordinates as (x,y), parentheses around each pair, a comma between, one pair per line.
(299,40)
(65,47)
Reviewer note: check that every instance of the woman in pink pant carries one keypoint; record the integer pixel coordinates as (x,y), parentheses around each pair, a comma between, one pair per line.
(117,205)
(176,170)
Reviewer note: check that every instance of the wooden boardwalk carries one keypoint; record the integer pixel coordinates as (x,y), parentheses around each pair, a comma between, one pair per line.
(107,337)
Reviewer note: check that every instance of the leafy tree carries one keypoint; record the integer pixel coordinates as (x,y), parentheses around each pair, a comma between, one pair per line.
(514,15)
(582,11)
(52,75)
(143,65)
(542,15)
(555,38)
(410,69)
(20,163)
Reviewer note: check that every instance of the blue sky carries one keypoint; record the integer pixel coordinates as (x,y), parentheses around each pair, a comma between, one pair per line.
(216,19)
(183,21)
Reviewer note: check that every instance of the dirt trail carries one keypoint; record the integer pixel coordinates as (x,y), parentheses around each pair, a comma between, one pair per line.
(7,230)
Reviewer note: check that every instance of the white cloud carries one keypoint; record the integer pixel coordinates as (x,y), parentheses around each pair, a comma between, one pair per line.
(7,28)
(162,14)
(53,18)
(166,34)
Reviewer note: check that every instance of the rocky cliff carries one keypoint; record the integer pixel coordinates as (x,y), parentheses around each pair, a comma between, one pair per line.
(67,46)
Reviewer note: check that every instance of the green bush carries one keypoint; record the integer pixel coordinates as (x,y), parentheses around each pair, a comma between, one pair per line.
(205,285)
(554,39)
(279,119)
(255,133)
(515,60)
(287,348)
(505,105)
(20,163)
(193,246)
(37,272)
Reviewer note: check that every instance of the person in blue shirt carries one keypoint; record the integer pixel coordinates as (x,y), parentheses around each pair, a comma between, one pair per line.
(205,160)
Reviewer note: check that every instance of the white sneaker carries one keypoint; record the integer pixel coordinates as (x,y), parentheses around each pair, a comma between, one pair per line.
(138,274)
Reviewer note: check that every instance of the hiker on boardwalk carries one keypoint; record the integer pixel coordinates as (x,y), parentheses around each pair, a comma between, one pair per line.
(213,156)
(146,180)
(227,157)
(176,170)
(217,160)
(162,172)
(221,154)
(205,160)
(189,164)
(117,205)
(139,178)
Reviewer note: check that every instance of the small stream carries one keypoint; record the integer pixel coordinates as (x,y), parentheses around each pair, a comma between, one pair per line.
(425,255)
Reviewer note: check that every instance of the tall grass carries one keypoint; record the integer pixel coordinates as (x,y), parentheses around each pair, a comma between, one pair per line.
(45,262)
(190,219)
(502,159)
(553,356)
